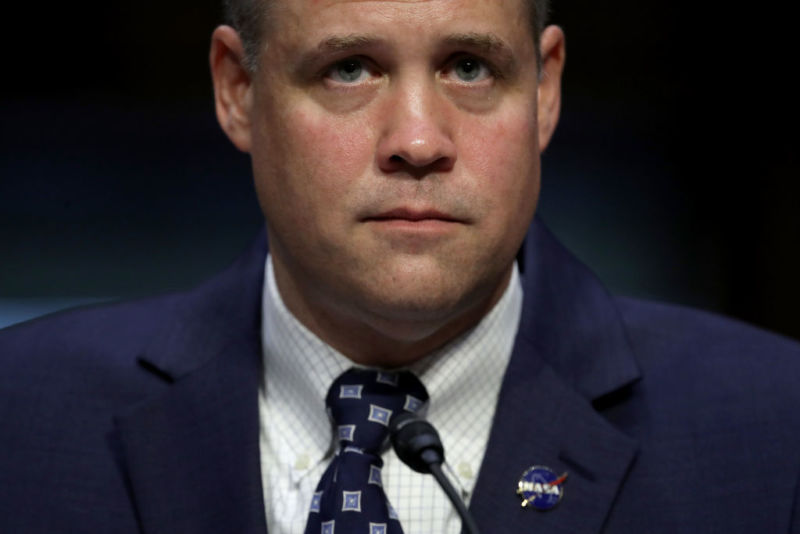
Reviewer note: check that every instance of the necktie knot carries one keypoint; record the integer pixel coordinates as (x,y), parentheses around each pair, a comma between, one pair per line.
(363,401)
(350,496)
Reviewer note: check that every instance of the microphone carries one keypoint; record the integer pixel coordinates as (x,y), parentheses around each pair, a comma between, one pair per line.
(417,444)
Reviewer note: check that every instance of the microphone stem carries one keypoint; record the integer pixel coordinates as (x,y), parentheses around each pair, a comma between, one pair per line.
(466,518)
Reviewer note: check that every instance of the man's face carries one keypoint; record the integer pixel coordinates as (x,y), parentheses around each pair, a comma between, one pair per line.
(395,150)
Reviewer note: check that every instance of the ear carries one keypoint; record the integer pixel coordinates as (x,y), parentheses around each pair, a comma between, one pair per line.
(232,86)
(553,53)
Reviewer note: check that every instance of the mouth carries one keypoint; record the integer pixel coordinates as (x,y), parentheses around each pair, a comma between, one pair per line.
(408,215)
(415,224)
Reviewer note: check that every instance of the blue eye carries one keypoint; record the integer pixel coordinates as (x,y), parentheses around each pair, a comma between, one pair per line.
(470,69)
(347,71)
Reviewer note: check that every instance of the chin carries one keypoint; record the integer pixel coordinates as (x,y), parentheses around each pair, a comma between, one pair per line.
(423,304)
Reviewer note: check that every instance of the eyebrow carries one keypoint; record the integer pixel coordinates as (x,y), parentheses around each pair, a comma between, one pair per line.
(344,43)
(335,45)
(485,43)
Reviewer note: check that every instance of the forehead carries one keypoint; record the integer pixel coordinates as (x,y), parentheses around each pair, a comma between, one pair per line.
(309,20)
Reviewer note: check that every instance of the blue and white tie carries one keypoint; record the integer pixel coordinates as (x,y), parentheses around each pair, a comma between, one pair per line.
(349,498)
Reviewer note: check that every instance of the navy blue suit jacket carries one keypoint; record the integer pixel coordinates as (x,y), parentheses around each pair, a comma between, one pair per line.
(142,417)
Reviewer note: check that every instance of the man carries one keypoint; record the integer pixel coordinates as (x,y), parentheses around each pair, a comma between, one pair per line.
(395,149)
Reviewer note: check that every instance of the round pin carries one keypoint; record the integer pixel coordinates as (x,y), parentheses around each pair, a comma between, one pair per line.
(541,488)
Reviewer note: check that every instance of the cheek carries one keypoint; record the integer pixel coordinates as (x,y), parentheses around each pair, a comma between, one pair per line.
(503,153)
(312,163)
(505,158)
(331,150)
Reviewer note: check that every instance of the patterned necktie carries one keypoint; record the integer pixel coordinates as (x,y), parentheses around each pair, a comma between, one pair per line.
(350,497)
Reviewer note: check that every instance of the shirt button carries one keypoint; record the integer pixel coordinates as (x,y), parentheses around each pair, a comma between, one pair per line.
(301,462)
(465,470)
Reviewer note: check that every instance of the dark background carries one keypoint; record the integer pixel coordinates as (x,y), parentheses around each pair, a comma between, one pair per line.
(673,174)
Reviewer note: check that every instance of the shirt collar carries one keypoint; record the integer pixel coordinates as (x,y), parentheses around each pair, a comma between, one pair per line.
(463,378)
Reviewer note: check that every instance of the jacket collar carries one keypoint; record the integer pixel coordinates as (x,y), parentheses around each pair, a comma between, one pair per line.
(570,319)
(218,315)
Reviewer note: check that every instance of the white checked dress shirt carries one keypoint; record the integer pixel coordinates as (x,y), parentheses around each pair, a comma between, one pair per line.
(463,381)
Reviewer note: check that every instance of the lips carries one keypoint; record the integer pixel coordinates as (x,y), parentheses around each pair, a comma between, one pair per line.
(412,215)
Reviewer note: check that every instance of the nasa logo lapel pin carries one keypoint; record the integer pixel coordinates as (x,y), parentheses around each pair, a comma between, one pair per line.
(540,488)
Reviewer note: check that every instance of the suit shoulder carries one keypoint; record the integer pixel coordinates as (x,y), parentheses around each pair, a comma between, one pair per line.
(116,324)
(697,358)
(704,331)
(96,342)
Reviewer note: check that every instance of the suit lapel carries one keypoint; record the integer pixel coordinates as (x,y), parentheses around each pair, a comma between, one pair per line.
(542,421)
(571,350)
(192,455)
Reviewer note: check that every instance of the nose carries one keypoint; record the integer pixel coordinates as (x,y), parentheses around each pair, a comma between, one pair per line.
(417,135)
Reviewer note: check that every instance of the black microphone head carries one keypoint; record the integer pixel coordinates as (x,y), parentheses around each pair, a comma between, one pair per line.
(416,442)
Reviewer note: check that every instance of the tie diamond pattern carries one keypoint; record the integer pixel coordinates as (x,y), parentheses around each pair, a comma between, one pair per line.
(349,498)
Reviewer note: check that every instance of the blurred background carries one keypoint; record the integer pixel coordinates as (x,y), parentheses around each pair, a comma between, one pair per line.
(674,172)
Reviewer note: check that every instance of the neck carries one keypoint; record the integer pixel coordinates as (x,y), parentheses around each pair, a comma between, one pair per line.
(388,341)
